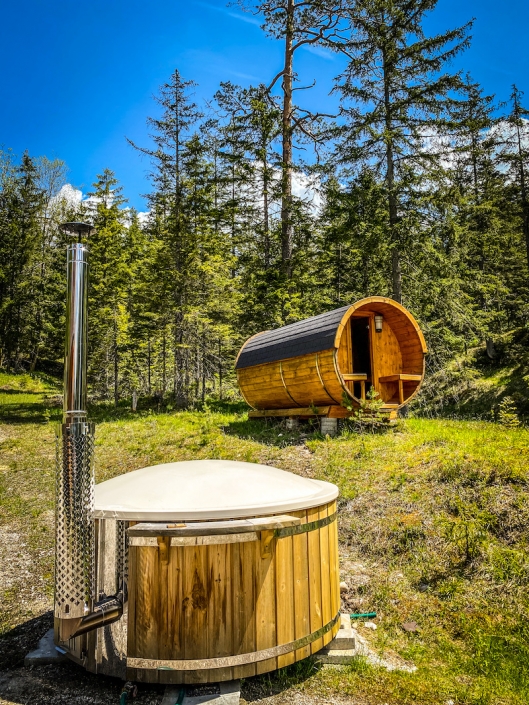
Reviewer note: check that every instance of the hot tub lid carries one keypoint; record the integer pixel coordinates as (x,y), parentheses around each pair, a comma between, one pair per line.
(207,489)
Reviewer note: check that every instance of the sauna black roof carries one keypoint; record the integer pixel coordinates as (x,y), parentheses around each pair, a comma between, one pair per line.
(308,336)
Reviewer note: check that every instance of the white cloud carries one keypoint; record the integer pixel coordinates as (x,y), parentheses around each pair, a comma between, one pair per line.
(236,15)
(445,146)
(70,194)
(319,51)
(505,132)
(74,197)
(307,190)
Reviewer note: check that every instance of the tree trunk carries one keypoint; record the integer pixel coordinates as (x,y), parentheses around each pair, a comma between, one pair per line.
(116,362)
(396,270)
(164,365)
(287,229)
(525,202)
(149,366)
(220,370)
(266,217)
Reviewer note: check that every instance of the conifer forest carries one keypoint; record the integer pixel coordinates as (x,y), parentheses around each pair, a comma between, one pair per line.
(262,212)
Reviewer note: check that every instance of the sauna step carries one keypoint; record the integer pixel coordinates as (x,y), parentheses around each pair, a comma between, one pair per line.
(344,639)
(341,649)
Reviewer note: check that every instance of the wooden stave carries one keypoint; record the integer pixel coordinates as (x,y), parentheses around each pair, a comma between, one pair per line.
(266,610)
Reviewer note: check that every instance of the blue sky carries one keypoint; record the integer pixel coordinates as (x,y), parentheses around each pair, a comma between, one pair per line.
(77,78)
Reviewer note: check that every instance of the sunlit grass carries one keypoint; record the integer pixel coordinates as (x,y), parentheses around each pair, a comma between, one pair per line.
(435,512)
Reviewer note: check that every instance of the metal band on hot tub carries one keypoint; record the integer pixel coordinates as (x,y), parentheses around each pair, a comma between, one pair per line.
(152,541)
(227,661)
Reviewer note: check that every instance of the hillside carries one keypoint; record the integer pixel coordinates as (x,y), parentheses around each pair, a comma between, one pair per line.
(473,385)
(433,523)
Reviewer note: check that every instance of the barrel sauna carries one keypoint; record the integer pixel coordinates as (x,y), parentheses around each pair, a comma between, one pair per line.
(322,365)
(230,570)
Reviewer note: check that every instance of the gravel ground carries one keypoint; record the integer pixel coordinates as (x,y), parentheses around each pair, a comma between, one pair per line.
(67,683)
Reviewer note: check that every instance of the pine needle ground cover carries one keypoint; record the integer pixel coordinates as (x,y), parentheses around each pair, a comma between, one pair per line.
(434,518)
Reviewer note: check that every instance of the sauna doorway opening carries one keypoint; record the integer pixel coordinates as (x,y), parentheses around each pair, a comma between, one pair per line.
(360,333)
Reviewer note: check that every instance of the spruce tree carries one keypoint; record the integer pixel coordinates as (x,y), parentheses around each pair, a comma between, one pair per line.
(515,154)
(21,210)
(109,275)
(396,92)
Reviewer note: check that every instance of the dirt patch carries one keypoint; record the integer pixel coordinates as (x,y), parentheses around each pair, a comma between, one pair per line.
(65,684)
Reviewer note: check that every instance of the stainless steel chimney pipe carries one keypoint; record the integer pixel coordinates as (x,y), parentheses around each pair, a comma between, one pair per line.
(74,553)
(76,334)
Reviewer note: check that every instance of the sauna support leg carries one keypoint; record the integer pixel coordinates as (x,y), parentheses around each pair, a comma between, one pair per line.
(329,427)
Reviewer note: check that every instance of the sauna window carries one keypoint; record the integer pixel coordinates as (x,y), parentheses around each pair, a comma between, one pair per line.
(361,347)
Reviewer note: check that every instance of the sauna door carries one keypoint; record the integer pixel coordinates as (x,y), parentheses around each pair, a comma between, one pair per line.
(361,353)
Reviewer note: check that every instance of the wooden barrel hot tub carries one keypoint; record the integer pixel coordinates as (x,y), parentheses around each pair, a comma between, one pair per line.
(230,570)
(322,365)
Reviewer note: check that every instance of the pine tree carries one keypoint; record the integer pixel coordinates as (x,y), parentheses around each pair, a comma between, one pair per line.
(167,220)
(354,253)
(395,92)
(49,288)
(297,24)
(21,204)
(107,293)
(515,154)
(483,212)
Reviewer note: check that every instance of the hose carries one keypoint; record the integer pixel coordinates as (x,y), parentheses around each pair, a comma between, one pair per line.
(363,615)
(129,690)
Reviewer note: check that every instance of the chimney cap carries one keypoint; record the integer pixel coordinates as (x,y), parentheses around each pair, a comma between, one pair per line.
(77,229)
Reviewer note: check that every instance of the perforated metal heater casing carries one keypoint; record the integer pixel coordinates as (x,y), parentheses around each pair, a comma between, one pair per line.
(74,552)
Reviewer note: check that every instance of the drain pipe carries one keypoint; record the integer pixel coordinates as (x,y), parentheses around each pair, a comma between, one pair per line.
(75,612)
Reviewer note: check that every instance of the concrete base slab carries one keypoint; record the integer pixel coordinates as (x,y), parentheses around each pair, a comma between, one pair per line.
(337,657)
(345,639)
(342,649)
(45,653)
(230,694)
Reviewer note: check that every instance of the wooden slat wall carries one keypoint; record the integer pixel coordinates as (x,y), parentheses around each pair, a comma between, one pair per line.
(245,591)
(386,351)
(300,548)
(222,600)
(292,382)
(330,376)
(295,382)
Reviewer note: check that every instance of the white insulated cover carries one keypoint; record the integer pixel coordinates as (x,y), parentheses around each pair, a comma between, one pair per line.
(207,489)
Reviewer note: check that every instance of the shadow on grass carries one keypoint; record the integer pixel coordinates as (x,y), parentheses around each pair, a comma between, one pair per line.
(269,684)
(272,431)
(54,684)
(48,408)
(16,643)
(18,391)
(29,413)
(66,682)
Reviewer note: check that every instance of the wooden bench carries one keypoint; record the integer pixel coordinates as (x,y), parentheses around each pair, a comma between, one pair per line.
(357,377)
(400,378)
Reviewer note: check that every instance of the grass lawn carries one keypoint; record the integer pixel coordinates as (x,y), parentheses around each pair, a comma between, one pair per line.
(434,519)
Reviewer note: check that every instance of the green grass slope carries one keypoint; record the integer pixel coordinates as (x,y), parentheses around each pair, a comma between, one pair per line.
(473,385)
(433,519)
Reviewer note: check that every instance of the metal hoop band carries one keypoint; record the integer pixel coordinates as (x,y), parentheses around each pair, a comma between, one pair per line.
(227,661)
